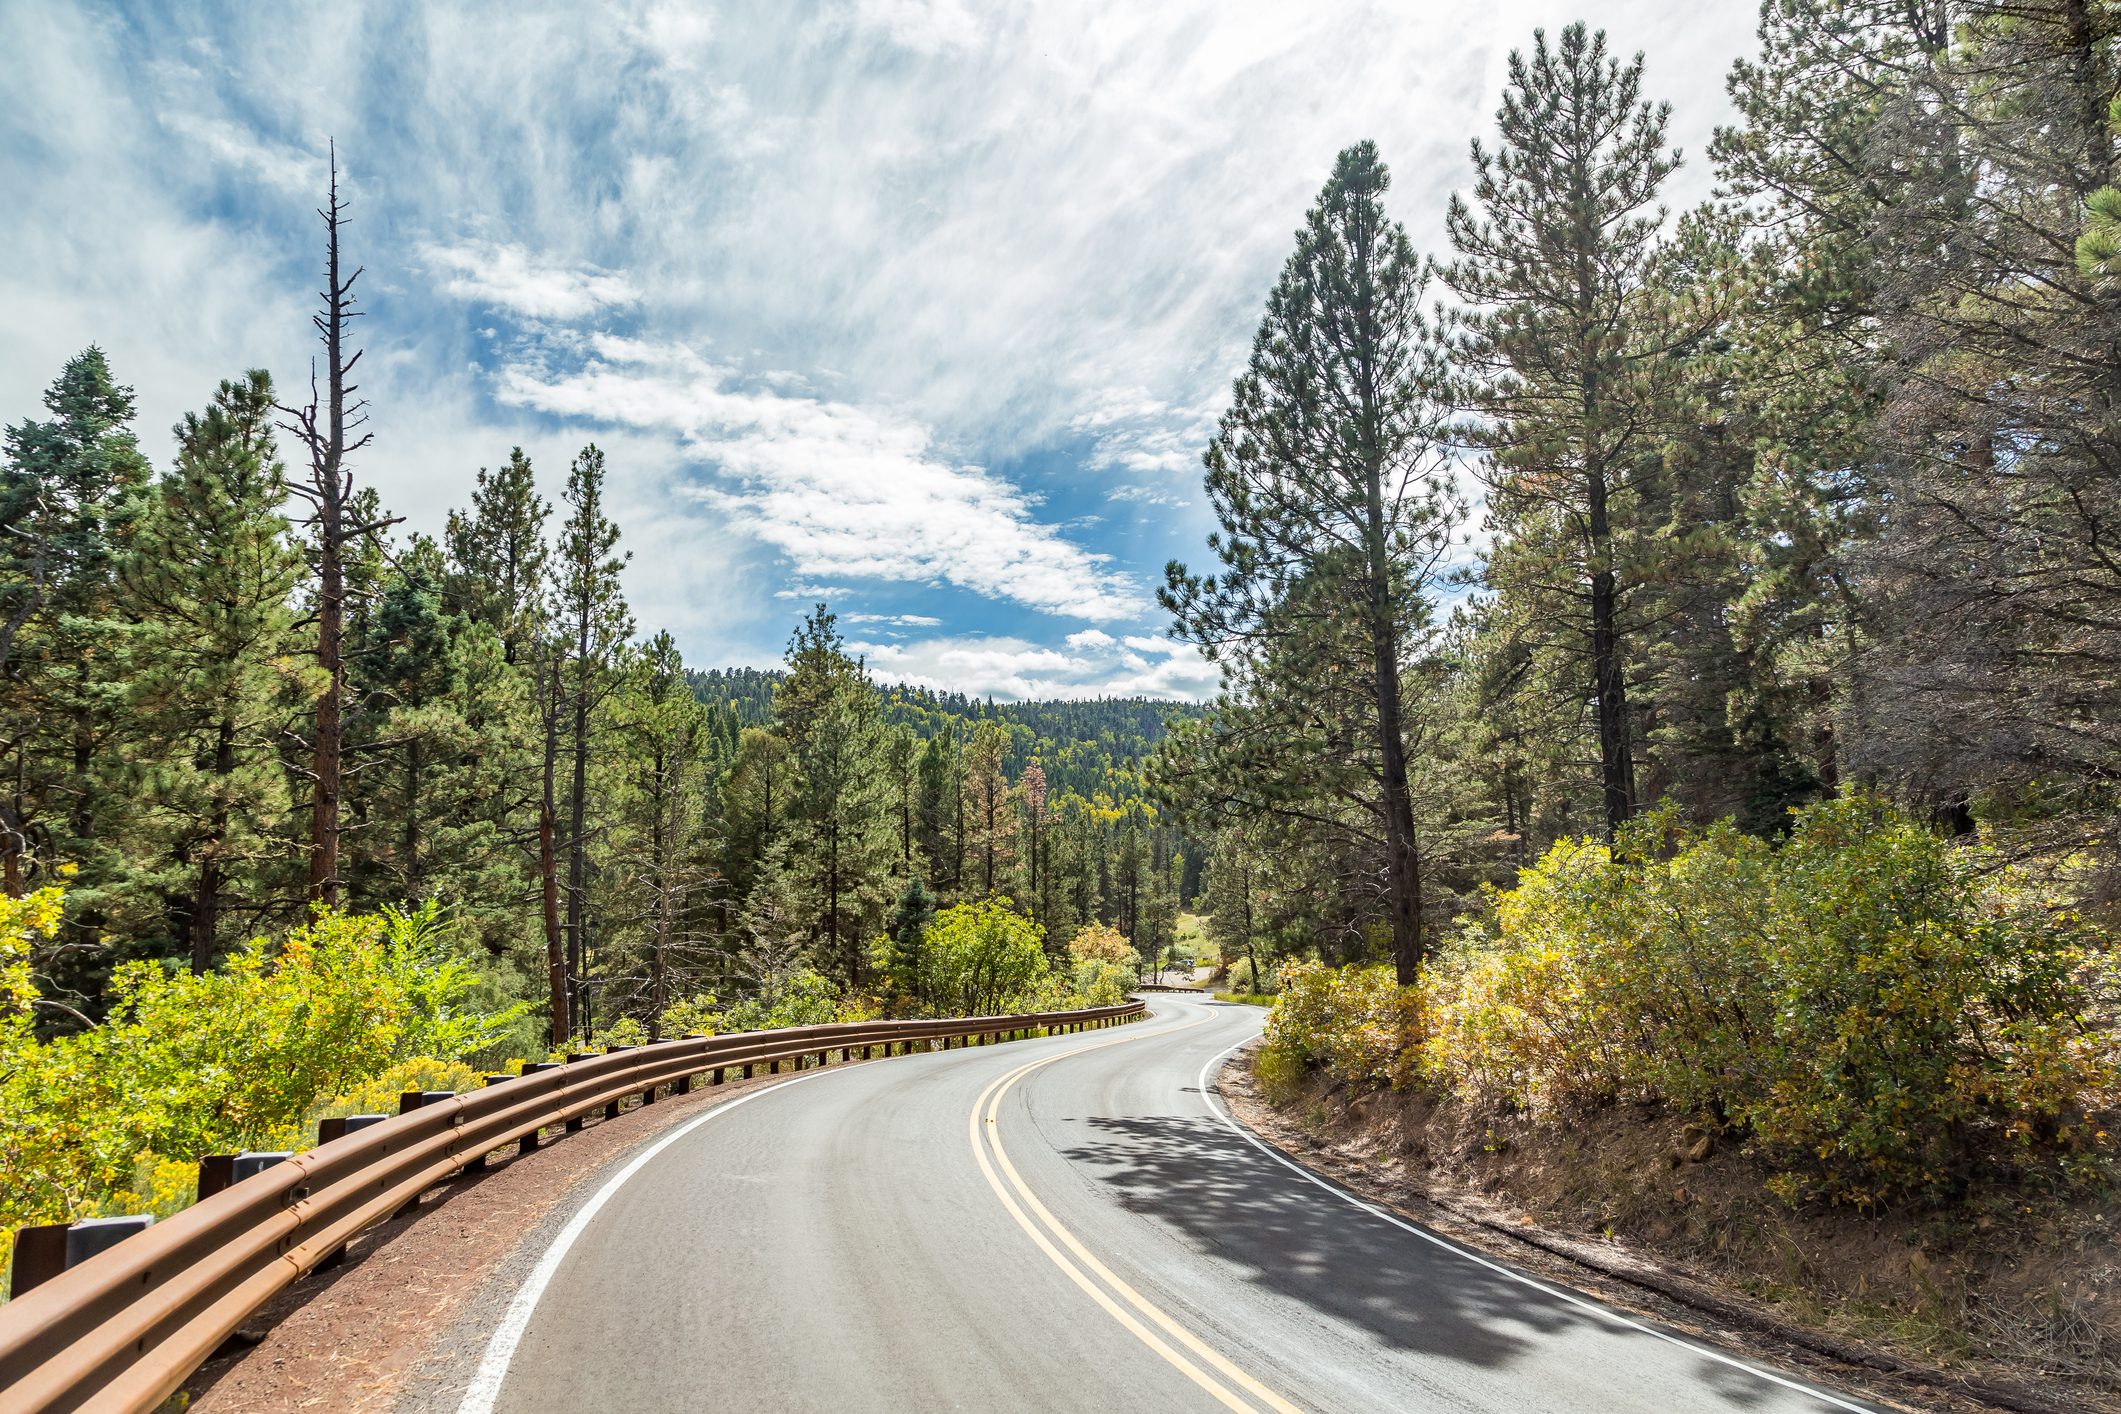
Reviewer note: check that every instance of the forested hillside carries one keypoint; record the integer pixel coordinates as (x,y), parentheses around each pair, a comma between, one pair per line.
(222,715)
(1805,491)
(1758,755)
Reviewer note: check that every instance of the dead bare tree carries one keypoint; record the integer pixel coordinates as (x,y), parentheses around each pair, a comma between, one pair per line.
(329,425)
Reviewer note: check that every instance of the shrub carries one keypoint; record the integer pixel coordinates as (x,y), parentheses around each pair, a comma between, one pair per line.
(801,997)
(1097,982)
(185,1065)
(625,1031)
(1101,942)
(700,1014)
(1356,1022)
(982,959)
(1887,1015)
(379,1094)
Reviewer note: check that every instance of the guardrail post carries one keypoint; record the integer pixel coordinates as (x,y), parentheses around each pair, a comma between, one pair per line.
(44,1251)
(574,1123)
(479,1164)
(339,1126)
(611,1111)
(219,1171)
(528,1144)
(684,1082)
(40,1255)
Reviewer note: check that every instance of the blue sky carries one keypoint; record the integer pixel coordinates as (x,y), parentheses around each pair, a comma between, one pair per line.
(922,307)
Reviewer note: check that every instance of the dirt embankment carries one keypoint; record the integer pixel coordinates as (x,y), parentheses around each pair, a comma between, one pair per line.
(2010,1302)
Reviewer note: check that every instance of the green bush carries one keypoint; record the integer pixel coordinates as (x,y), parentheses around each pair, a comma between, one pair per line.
(1356,1022)
(1885,1015)
(188,1065)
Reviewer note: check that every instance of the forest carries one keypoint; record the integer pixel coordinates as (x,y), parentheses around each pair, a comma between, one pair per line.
(221,718)
(1666,654)
(1752,749)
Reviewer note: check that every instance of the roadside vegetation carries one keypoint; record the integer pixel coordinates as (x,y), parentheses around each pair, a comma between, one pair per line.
(343,1015)
(1749,796)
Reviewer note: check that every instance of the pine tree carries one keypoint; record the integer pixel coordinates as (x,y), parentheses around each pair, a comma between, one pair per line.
(497,552)
(901,759)
(211,661)
(942,780)
(1564,347)
(1329,476)
(911,917)
(661,744)
(590,610)
(842,811)
(990,828)
(68,495)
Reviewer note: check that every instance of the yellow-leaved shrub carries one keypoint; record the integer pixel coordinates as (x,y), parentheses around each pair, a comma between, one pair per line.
(1884,1014)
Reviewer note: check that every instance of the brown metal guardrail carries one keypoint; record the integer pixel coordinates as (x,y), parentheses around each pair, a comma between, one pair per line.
(1163,987)
(125,1328)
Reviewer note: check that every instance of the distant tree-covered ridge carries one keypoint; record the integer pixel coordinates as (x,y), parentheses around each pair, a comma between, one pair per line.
(1083,744)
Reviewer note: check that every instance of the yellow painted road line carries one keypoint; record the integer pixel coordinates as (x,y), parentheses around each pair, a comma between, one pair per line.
(986,1135)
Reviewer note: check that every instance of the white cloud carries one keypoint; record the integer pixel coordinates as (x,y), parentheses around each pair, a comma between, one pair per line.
(838,489)
(1145,496)
(981,234)
(1090,638)
(897,620)
(284,168)
(924,26)
(529,284)
(1015,669)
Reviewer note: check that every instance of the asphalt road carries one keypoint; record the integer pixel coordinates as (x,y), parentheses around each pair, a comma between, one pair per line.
(957,1232)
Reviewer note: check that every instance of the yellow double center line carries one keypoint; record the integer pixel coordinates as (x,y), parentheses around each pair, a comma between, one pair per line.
(1219,1375)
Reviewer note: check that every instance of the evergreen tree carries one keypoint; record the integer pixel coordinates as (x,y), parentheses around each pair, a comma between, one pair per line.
(1329,477)
(842,808)
(497,553)
(990,828)
(589,608)
(1564,349)
(661,740)
(71,487)
(911,917)
(212,672)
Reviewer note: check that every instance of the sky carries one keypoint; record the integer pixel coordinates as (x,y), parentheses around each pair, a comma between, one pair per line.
(922,308)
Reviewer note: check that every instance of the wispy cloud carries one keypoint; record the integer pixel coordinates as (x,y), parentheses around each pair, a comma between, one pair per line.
(1015,669)
(899,620)
(838,489)
(515,279)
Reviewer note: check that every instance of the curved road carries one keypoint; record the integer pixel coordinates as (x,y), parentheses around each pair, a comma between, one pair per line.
(1062,1224)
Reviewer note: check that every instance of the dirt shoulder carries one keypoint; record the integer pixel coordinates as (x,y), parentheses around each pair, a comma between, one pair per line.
(2013,1305)
(400,1311)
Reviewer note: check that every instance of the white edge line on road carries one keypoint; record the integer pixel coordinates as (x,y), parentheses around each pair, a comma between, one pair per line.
(1209,1098)
(485,1386)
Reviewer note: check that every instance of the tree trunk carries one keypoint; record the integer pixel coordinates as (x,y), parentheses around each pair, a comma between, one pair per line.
(577,825)
(1616,757)
(410,839)
(562,1025)
(662,927)
(327,746)
(206,897)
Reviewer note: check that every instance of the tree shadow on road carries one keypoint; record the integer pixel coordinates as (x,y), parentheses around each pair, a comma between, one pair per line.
(1228,1198)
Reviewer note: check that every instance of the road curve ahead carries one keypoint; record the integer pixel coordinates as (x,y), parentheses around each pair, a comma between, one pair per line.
(1062,1224)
